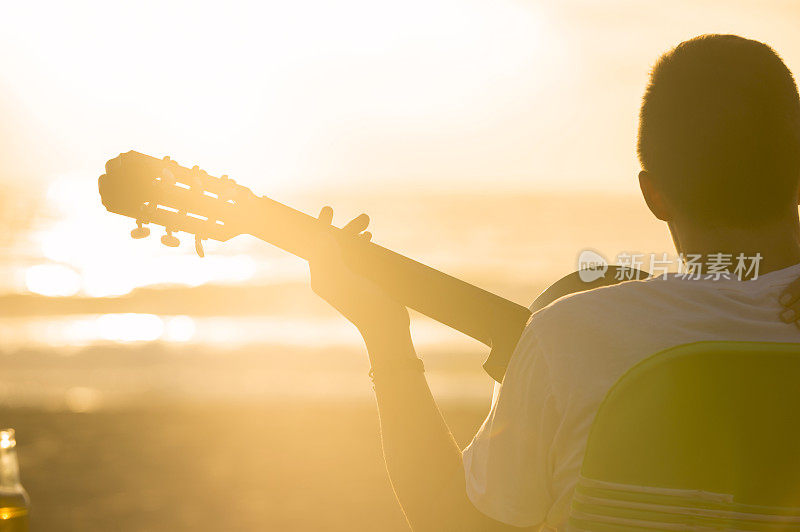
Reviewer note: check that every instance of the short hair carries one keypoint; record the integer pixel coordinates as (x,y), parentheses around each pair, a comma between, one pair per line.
(719,130)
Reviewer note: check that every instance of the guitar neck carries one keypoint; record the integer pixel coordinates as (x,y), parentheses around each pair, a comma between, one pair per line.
(160,191)
(486,317)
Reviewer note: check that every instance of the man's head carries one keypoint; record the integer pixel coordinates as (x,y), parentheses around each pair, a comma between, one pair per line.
(719,134)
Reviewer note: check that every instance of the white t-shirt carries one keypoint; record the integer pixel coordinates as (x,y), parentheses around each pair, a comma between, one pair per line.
(523,464)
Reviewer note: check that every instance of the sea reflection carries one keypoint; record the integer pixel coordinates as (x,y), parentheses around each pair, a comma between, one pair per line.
(84,330)
(90,362)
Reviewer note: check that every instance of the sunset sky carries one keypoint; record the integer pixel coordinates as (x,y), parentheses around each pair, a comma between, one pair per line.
(443,93)
(352,96)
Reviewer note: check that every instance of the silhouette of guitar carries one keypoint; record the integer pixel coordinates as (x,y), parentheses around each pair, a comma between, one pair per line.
(159,191)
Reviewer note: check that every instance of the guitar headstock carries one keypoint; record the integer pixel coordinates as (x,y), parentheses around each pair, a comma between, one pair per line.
(162,192)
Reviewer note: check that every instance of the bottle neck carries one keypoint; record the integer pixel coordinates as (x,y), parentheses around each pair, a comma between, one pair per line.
(9,468)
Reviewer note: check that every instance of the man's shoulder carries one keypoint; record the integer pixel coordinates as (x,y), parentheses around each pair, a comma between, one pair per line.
(586,338)
(588,303)
(627,308)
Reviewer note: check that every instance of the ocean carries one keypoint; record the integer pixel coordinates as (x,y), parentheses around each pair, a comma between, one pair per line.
(242,323)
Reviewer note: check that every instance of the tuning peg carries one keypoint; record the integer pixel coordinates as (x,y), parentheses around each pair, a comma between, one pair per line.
(198,246)
(140,232)
(170,240)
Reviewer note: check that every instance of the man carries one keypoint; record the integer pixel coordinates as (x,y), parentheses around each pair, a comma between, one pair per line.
(719,144)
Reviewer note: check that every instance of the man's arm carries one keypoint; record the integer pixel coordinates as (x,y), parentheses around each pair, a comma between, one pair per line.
(422,457)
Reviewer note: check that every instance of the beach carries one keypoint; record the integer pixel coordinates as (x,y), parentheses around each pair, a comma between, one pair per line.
(275,465)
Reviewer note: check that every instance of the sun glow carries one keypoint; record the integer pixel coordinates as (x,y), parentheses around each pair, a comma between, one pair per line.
(179,329)
(54,280)
(90,253)
(130,327)
(277,91)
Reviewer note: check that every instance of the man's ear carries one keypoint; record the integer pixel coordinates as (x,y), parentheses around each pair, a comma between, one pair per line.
(653,197)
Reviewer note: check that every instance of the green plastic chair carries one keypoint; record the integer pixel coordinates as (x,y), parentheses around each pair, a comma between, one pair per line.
(703,436)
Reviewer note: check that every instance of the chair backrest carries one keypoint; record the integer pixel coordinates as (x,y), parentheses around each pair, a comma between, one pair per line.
(703,436)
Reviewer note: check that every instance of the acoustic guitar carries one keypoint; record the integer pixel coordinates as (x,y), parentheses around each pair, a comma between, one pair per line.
(159,191)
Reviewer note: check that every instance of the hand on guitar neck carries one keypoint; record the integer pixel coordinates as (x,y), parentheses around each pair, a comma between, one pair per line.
(365,304)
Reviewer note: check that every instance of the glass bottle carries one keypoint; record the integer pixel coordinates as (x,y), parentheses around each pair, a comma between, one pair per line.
(14,502)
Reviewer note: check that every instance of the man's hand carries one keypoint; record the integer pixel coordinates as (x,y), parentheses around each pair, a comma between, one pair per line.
(358,299)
